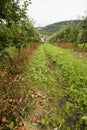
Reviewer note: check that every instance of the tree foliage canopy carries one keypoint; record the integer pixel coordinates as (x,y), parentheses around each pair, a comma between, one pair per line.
(71,33)
(16,29)
(84,30)
(67,33)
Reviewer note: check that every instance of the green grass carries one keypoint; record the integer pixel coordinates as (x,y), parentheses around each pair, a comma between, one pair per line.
(73,73)
(62,78)
(81,45)
(40,78)
(38,73)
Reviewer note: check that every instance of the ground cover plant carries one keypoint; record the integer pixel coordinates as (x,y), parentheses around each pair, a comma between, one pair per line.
(57,84)
(41,79)
(48,93)
(73,77)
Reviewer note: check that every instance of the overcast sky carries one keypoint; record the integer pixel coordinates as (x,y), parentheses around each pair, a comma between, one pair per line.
(46,12)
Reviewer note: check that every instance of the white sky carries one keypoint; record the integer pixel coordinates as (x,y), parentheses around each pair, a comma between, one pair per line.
(46,12)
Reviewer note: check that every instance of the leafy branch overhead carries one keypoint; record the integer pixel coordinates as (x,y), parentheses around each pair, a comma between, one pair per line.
(16,29)
(11,11)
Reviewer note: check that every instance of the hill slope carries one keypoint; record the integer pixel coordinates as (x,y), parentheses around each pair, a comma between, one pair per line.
(52,28)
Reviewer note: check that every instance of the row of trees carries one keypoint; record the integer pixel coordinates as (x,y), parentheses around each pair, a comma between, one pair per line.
(16,29)
(71,33)
(16,32)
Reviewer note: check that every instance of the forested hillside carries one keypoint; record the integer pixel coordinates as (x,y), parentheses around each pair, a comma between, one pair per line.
(52,28)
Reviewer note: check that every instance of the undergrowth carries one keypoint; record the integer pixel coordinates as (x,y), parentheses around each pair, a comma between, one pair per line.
(13,99)
(49,90)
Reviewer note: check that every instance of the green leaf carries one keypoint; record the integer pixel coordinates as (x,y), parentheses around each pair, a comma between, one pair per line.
(11,125)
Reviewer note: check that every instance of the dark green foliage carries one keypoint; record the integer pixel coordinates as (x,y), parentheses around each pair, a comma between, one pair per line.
(10,12)
(71,33)
(68,33)
(5,36)
(16,29)
(84,30)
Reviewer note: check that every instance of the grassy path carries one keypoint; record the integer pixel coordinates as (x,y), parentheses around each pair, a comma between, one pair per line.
(56,82)
(42,78)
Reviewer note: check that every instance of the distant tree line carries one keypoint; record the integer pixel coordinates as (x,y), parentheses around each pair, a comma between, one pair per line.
(71,33)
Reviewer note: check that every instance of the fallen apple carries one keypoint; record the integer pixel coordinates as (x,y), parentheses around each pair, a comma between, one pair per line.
(34,119)
(3,119)
(20,100)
